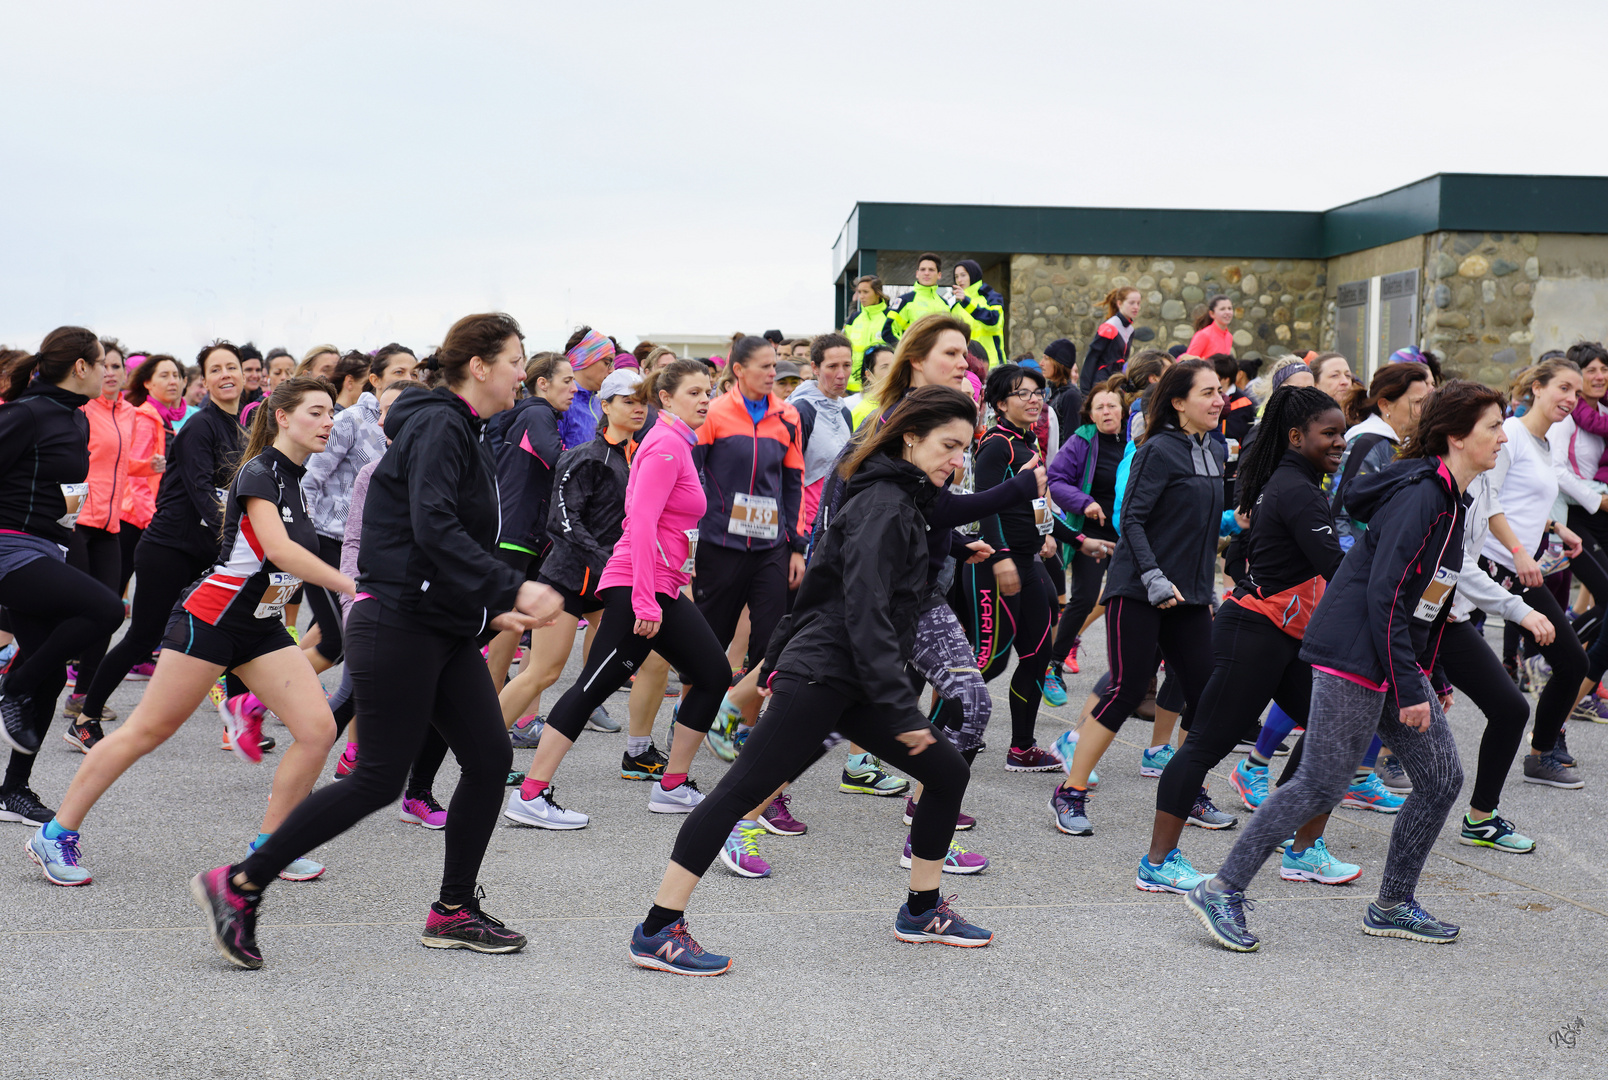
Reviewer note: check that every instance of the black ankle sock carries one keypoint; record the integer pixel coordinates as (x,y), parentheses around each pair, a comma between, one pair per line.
(920,903)
(659,918)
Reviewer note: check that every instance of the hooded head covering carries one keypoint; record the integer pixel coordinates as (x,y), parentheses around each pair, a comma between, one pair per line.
(975,271)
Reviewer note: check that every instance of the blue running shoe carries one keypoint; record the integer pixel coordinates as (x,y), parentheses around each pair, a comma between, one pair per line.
(1071,811)
(58,858)
(1408,920)
(1250,781)
(1223,915)
(942,924)
(1204,814)
(1054,689)
(1372,794)
(526,734)
(672,949)
(1316,864)
(720,734)
(1174,875)
(1152,764)
(303,869)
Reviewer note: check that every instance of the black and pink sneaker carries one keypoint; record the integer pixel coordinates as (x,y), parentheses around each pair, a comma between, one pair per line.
(468,928)
(231,916)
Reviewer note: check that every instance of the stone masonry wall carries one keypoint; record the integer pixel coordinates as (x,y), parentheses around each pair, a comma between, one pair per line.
(1278,303)
(1477,304)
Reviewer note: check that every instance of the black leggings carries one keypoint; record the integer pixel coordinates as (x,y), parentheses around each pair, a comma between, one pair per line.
(326,605)
(1254,662)
(1135,632)
(787,740)
(1088,574)
(164,574)
(97,553)
(1474,669)
(684,639)
(1569,667)
(128,538)
(55,612)
(407,679)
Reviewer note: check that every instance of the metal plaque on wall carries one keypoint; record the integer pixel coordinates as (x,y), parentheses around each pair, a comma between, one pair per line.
(1351,323)
(1398,312)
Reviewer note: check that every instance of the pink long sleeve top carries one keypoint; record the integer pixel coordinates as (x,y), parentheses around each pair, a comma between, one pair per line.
(663,502)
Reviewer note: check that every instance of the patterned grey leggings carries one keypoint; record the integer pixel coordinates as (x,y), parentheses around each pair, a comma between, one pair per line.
(1344,718)
(945,659)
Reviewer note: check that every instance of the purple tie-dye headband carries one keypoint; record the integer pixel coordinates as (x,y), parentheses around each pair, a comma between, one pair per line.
(589,350)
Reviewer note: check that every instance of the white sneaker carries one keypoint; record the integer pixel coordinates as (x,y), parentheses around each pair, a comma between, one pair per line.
(543,812)
(679,801)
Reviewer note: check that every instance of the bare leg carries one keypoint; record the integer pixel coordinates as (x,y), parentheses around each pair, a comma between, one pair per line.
(293,692)
(1093,741)
(647,693)
(500,655)
(549,649)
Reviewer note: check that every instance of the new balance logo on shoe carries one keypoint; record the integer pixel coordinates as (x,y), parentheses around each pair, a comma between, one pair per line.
(668,952)
(938,926)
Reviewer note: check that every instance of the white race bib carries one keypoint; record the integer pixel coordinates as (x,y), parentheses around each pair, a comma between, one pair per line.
(281,587)
(1436,594)
(1041,516)
(692,552)
(755,516)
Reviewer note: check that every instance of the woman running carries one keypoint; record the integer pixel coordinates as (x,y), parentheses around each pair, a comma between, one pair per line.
(430,585)
(645,610)
(842,670)
(1162,579)
(233,620)
(1083,483)
(1256,636)
(181,542)
(1108,352)
(54,610)
(1370,642)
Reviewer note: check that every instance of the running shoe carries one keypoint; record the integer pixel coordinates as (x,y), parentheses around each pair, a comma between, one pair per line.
(1408,920)
(1054,689)
(1371,794)
(648,765)
(1590,709)
(302,869)
(678,800)
(231,916)
(218,692)
(242,723)
(600,720)
(1223,915)
(1250,781)
(141,672)
(17,722)
(1547,769)
(422,809)
(1070,809)
(739,738)
(1495,832)
(267,743)
(965,821)
(1392,775)
(1031,759)
(346,764)
(83,737)
(1536,673)
(59,859)
(22,805)
(1152,764)
(672,949)
(957,860)
(526,734)
(943,924)
(514,779)
(75,709)
(778,819)
(741,851)
(1065,745)
(1206,815)
(863,774)
(1316,864)
(542,812)
(1072,657)
(1174,875)
(468,927)
(1560,750)
(719,736)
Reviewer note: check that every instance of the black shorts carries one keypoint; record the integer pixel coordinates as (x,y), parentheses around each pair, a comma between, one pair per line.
(219,645)
(526,563)
(575,604)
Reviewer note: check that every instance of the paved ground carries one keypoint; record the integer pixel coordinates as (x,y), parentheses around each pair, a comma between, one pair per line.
(1088,976)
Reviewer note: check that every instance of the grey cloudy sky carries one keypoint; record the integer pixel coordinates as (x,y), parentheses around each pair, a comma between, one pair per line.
(361,172)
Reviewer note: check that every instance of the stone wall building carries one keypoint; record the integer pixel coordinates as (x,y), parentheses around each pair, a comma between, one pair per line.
(1488,271)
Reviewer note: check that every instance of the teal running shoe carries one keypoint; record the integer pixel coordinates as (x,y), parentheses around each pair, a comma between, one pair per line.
(1065,745)
(1495,832)
(1250,781)
(1174,875)
(721,732)
(1372,794)
(60,859)
(1152,764)
(1054,689)
(1316,864)
(1223,915)
(1408,920)
(303,869)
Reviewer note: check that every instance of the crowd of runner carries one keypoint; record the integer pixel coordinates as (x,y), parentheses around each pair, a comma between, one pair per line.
(822,547)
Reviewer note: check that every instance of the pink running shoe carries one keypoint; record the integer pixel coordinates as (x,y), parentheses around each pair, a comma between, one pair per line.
(231,916)
(347,763)
(966,821)
(141,672)
(778,819)
(1031,759)
(242,718)
(422,809)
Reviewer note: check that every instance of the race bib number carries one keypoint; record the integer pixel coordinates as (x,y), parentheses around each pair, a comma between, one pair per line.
(74,494)
(1041,516)
(755,516)
(1233,449)
(1436,595)
(690,565)
(965,484)
(281,587)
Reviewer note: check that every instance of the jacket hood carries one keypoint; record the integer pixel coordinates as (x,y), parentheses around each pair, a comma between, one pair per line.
(1373,425)
(811,392)
(880,467)
(413,401)
(973,268)
(1366,494)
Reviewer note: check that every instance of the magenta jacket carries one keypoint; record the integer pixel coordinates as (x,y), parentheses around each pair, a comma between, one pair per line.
(663,502)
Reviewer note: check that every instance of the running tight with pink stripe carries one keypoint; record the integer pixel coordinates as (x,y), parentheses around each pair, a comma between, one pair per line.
(1135,632)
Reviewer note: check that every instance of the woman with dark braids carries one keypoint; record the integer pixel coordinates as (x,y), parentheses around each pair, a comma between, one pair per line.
(1291,551)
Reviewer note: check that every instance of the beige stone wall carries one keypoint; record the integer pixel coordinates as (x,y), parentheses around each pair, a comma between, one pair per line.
(1478,311)
(1278,304)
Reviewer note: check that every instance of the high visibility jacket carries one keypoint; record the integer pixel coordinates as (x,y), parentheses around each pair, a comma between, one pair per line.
(864,329)
(983,310)
(910,306)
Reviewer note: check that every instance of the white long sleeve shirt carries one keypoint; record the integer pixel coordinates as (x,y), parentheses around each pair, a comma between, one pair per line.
(1524,485)
(1475,588)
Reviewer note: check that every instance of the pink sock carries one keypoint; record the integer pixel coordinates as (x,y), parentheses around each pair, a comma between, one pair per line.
(672,781)
(531,788)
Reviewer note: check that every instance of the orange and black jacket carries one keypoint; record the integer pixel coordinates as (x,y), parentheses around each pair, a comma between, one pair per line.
(738,456)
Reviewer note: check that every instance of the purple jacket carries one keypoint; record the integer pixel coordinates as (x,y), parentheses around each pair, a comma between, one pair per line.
(1071,474)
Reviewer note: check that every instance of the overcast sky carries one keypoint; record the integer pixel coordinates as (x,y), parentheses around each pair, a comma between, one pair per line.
(361,172)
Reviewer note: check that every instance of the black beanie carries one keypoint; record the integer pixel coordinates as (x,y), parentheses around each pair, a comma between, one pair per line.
(1063,352)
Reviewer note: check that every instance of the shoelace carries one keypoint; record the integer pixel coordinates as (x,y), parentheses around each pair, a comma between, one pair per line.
(429,800)
(955,851)
(679,932)
(1417,916)
(1075,798)
(1234,905)
(67,847)
(748,841)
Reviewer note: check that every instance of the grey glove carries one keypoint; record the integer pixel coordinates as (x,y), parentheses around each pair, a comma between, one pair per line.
(1158,589)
